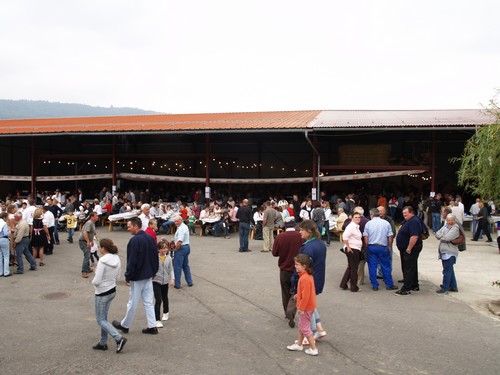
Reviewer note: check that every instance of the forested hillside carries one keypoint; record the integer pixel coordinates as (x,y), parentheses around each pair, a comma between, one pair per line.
(17,109)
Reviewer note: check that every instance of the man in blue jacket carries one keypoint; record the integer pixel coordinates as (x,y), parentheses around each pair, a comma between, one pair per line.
(142,265)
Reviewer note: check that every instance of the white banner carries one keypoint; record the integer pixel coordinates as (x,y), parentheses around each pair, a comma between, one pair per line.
(201,180)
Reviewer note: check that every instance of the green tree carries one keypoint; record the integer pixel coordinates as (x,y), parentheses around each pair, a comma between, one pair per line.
(479,171)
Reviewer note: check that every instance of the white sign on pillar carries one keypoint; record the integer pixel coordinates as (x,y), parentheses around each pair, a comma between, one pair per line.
(313,194)
(207,192)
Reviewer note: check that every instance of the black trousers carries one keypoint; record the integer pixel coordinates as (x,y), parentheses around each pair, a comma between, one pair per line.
(50,246)
(483,225)
(351,272)
(161,295)
(286,287)
(409,266)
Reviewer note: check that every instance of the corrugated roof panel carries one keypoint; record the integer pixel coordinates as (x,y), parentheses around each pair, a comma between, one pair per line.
(389,119)
(169,123)
(306,120)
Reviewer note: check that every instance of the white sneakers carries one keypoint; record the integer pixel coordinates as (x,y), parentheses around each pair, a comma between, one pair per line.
(165,317)
(298,348)
(305,342)
(312,351)
(319,335)
(159,324)
(295,347)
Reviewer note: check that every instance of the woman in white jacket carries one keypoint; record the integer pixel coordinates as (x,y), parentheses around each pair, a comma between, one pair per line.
(106,275)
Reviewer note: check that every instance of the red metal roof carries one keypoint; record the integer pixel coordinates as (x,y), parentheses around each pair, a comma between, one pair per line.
(253,121)
(162,123)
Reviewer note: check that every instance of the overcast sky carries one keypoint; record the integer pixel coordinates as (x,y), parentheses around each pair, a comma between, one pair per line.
(195,56)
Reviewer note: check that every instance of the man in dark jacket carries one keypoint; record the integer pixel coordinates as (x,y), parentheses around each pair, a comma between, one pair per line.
(286,247)
(142,265)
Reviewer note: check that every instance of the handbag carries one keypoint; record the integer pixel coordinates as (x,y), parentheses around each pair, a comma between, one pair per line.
(291,308)
(460,241)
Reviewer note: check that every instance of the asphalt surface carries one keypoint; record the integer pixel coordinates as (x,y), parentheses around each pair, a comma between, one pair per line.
(231,321)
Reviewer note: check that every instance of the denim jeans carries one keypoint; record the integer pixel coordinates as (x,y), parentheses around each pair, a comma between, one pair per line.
(86,256)
(326,225)
(71,232)
(436,221)
(449,281)
(56,233)
(22,248)
(315,319)
(244,231)
(181,263)
(382,255)
(4,256)
(102,304)
(167,225)
(141,289)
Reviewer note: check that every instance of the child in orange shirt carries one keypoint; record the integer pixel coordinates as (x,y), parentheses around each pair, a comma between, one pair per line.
(306,303)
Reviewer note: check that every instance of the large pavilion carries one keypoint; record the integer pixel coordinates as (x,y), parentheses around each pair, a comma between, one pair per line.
(297,151)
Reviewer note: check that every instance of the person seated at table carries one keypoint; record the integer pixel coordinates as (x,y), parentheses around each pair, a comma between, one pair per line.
(204,214)
(125,208)
(223,224)
(153,211)
(169,216)
(184,213)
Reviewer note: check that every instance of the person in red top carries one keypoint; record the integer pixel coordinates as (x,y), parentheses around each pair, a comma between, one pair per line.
(306,303)
(152,228)
(184,213)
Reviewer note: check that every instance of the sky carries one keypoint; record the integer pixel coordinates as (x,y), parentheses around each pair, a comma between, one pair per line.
(206,56)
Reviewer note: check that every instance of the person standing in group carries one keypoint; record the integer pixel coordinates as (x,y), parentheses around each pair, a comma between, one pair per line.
(142,265)
(4,246)
(182,251)
(50,222)
(377,237)
(286,247)
(268,226)
(474,211)
(86,241)
(39,235)
(306,304)
(244,215)
(448,253)
(163,278)
(409,243)
(435,209)
(57,212)
(106,275)
(353,244)
(21,243)
(482,223)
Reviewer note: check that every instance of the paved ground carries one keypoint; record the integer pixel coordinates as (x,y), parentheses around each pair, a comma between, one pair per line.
(231,321)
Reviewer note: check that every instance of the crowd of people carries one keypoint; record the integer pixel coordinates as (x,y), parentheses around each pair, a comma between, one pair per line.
(31,230)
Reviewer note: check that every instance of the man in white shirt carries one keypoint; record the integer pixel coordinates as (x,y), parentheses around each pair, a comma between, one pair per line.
(145,216)
(49,221)
(474,211)
(28,212)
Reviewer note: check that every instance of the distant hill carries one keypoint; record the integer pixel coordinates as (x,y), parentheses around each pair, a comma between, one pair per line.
(17,109)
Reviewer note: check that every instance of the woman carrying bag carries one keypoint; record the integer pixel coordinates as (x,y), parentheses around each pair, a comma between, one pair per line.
(448,253)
